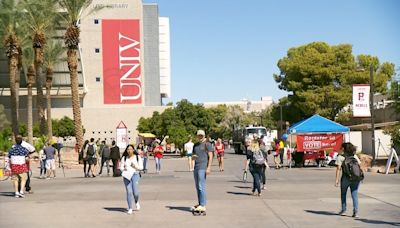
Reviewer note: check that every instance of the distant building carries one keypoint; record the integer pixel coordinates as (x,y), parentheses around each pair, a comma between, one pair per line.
(245,104)
(123,70)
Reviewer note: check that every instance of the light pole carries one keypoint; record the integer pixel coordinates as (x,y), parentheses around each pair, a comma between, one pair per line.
(371,103)
(281,124)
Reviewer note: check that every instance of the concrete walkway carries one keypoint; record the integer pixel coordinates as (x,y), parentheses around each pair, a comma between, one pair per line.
(298,197)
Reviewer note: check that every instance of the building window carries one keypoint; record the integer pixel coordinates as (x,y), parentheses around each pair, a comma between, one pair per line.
(93,132)
(96,21)
(97,50)
(97,79)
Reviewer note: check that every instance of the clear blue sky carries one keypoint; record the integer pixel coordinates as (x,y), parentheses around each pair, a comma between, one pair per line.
(226,50)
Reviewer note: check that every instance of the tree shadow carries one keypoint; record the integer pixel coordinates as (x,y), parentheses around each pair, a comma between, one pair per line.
(240,193)
(115,209)
(187,209)
(322,212)
(379,222)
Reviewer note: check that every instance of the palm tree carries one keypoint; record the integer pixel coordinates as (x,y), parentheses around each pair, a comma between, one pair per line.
(74,9)
(40,16)
(31,74)
(10,28)
(52,52)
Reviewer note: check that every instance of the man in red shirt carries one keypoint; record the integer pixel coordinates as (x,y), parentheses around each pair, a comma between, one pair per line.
(18,156)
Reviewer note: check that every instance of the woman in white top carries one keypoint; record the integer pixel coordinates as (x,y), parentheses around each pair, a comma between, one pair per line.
(345,182)
(131,165)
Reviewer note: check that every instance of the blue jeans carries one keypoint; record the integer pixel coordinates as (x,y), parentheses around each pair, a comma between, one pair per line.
(42,167)
(345,183)
(256,172)
(200,182)
(158,164)
(132,187)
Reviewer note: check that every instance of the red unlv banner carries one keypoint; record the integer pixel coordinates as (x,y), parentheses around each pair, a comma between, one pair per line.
(121,62)
(319,142)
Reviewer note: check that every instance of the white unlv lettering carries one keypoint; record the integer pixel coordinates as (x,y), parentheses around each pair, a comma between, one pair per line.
(133,62)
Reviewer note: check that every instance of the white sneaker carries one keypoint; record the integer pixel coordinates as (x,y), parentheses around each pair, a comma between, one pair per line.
(137,206)
(130,211)
(22,195)
(17,195)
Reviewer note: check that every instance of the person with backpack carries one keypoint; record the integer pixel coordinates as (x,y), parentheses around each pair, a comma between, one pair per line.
(131,165)
(256,163)
(105,157)
(91,154)
(352,175)
(114,155)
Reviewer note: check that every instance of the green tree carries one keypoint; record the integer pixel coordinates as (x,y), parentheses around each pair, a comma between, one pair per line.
(40,17)
(4,123)
(319,78)
(74,9)
(63,127)
(11,33)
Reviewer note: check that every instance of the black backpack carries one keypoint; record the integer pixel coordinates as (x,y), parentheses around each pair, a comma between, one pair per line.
(106,151)
(90,150)
(352,170)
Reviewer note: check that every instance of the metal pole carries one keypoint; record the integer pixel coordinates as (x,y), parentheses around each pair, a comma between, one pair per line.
(281,124)
(371,100)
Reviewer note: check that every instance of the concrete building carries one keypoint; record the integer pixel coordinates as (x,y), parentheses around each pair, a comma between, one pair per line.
(124,69)
(245,104)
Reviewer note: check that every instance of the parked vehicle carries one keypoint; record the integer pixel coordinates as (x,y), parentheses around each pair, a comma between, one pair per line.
(240,136)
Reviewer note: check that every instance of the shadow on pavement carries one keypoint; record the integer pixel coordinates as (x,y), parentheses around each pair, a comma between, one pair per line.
(117,209)
(379,222)
(187,209)
(8,194)
(322,212)
(240,193)
(243,187)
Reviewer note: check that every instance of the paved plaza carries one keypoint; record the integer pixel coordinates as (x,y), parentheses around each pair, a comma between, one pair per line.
(297,197)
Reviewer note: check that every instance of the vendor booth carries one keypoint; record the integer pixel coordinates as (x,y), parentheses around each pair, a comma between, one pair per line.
(316,137)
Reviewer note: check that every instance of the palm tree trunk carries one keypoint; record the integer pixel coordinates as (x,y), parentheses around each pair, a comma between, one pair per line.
(31,80)
(76,106)
(17,83)
(39,86)
(12,66)
(49,80)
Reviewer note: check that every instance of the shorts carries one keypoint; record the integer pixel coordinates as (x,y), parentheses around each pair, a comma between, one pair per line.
(51,164)
(188,155)
(17,177)
(220,154)
(92,161)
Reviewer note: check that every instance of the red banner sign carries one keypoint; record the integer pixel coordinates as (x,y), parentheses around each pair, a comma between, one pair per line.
(319,142)
(121,62)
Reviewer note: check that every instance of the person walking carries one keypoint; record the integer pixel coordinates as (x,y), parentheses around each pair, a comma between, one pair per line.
(256,163)
(131,165)
(347,180)
(50,153)
(114,155)
(220,149)
(105,153)
(18,156)
(158,155)
(203,156)
(42,160)
(188,147)
(31,149)
(276,154)
(264,150)
(281,151)
(85,159)
(92,155)
(142,151)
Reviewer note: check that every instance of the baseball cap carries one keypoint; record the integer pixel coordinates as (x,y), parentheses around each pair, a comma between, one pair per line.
(201,132)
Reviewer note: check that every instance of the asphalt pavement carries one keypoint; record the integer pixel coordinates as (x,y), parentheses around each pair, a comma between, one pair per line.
(297,197)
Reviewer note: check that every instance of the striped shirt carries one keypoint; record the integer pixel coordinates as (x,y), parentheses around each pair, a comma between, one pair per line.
(17,156)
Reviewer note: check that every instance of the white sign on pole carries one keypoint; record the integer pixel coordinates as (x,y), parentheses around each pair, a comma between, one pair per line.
(122,135)
(361,100)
